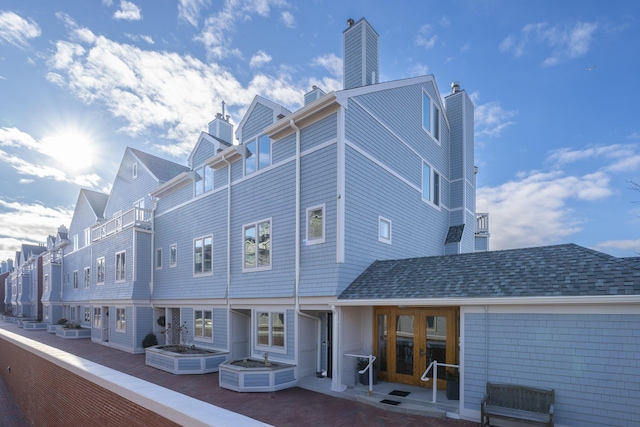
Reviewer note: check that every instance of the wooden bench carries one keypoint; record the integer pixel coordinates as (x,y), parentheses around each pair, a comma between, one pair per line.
(514,402)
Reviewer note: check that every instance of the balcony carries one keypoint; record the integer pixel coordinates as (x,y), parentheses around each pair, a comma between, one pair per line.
(51,258)
(136,217)
(482,223)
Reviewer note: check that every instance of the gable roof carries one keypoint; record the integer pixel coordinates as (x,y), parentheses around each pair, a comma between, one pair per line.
(565,270)
(97,201)
(206,137)
(163,170)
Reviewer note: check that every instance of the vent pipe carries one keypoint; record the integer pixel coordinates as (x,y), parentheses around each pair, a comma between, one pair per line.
(455,87)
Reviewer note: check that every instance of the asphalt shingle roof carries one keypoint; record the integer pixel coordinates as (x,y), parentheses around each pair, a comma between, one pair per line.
(162,169)
(560,270)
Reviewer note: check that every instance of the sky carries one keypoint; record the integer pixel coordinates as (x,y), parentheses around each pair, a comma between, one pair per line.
(554,83)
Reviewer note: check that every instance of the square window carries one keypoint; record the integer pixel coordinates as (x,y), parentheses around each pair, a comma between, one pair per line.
(315,225)
(384,230)
(173,255)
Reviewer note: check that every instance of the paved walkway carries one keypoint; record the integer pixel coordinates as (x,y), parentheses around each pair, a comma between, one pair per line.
(10,414)
(290,407)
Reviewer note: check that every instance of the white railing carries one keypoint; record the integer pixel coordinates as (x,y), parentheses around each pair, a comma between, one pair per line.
(138,217)
(434,365)
(482,223)
(369,368)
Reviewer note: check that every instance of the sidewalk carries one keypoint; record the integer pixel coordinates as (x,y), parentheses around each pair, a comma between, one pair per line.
(290,407)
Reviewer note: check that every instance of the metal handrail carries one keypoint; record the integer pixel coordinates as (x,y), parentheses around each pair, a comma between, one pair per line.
(434,365)
(372,359)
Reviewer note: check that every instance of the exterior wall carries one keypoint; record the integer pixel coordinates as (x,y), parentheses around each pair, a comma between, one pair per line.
(588,355)
(259,118)
(126,190)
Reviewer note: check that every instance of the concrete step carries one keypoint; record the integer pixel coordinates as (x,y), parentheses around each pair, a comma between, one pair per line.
(408,405)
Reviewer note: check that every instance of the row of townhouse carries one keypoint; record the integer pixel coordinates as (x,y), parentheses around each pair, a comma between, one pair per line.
(346,227)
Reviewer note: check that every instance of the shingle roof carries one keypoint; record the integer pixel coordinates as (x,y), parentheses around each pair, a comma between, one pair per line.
(97,201)
(561,270)
(162,169)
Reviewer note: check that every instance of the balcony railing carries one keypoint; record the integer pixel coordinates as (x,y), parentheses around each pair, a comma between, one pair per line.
(51,258)
(136,217)
(482,223)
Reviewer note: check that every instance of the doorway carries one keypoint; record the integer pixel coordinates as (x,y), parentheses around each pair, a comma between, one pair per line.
(407,340)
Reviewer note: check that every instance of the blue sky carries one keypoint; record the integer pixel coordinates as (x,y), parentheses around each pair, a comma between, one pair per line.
(554,84)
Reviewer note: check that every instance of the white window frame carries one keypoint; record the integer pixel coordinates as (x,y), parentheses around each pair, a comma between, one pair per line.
(121,319)
(205,173)
(256,266)
(434,188)
(87,236)
(100,272)
(75,279)
(158,260)
(381,237)
(193,264)
(121,270)
(201,333)
(258,155)
(321,239)
(173,260)
(434,126)
(134,170)
(270,332)
(97,317)
(87,314)
(76,244)
(87,277)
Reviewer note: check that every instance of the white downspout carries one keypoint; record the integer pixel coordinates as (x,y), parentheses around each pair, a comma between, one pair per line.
(153,251)
(297,254)
(228,291)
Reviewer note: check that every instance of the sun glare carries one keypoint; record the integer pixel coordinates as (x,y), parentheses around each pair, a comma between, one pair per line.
(73,149)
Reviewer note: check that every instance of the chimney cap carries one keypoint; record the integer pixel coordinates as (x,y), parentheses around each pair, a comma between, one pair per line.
(455,86)
(350,22)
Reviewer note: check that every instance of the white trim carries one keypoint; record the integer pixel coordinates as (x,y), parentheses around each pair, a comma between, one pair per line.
(497,301)
(380,237)
(309,241)
(434,115)
(341,144)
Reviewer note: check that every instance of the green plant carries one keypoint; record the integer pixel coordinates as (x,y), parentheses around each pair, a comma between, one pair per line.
(149,340)
(62,321)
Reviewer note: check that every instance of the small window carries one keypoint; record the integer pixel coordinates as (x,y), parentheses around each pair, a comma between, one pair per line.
(87,315)
(121,265)
(158,258)
(257,246)
(270,330)
(100,271)
(202,255)
(173,255)
(75,279)
(258,154)
(97,314)
(134,169)
(203,324)
(384,230)
(121,319)
(46,312)
(87,236)
(315,225)
(87,277)
(46,282)
(76,245)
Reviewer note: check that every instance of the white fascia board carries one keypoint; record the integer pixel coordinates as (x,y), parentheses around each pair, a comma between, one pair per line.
(175,183)
(450,302)
(230,155)
(315,107)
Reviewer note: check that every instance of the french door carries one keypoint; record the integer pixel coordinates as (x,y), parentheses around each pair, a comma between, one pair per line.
(409,339)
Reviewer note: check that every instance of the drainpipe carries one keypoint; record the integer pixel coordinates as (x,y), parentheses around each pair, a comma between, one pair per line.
(486,343)
(228,291)
(297,254)
(153,250)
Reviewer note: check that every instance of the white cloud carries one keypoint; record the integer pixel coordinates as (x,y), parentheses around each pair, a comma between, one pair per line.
(16,30)
(491,119)
(564,43)
(331,63)
(625,245)
(189,10)
(139,37)
(128,11)
(259,59)
(419,70)
(620,157)
(287,19)
(425,38)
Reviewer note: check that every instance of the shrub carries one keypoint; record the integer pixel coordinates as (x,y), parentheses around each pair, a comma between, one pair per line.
(62,321)
(149,340)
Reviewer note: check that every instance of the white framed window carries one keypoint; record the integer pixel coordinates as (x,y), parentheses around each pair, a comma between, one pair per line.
(134,170)
(204,180)
(203,255)
(75,242)
(46,283)
(46,312)
(87,236)
(121,319)
(158,258)
(97,317)
(271,331)
(75,279)
(87,315)
(256,246)
(173,255)
(121,265)
(203,324)
(87,277)
(430,184)
(315,225)
(430,117)
(258,154)
(100,271)
(384,230)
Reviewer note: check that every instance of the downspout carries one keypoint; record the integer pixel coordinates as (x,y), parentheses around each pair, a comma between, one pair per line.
(486,343)
(297,256)
(228,291)
(153,244)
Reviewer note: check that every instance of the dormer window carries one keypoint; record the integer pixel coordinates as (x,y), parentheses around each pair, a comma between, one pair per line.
(258,154)
(135,170)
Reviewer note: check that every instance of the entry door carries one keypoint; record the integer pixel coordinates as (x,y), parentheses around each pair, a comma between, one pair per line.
(408,340)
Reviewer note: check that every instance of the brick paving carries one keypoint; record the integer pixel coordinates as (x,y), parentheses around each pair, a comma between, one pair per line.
(290,407)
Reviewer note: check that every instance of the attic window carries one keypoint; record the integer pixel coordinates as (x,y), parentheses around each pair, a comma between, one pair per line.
(135,170)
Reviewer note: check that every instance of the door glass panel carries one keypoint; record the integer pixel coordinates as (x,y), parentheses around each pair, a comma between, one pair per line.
(404,345)
(382,342)
(437,343)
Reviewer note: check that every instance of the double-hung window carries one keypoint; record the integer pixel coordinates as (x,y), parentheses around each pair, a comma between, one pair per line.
(121,319)
(75,279)
(257,246)
(87,315)
(87,277)
(97,314)
(315,225)
(204,180)
(121,265)
(202,255)
(203,324)
(270,330)
(430,184)
(430,117)
(258,154)
(100,270)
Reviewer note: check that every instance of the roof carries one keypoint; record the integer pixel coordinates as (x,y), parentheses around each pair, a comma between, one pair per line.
(162,169)
(97,201)
(548,271)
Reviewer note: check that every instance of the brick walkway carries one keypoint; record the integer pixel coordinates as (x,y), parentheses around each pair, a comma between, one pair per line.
(10,414)
(291,407)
